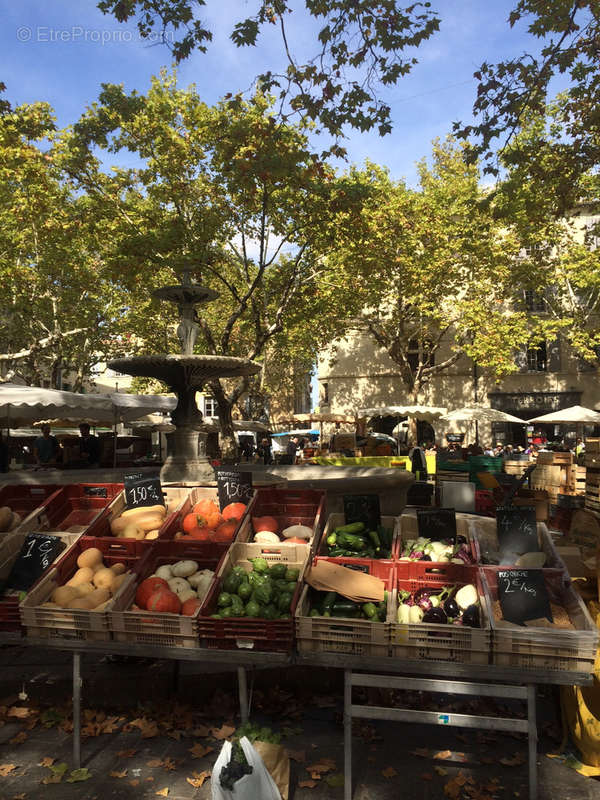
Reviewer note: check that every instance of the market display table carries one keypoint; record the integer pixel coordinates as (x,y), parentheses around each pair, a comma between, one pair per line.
(481,680)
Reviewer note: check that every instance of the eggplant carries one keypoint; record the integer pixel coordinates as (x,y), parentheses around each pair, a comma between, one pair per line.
(451,607)
(470,616)
(437,615)
(426,558)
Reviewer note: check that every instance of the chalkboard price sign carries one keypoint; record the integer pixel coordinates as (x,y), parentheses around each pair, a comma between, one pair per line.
(523,595)
(233,486)
(517,531)
(363,508)
(38,552)
(437,524)
(142,490)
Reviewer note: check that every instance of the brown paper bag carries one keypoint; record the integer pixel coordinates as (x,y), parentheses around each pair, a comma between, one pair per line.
(276,760)
(357,586)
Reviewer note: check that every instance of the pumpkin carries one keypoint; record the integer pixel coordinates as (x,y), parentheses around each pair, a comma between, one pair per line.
(189,521)
(205,506)
(265,524)
(226,531)
(234,511)
(164,601)
(200,534)
(189,608)
(147,588)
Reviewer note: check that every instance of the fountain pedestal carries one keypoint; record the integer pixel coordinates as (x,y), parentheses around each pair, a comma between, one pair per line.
(185,375)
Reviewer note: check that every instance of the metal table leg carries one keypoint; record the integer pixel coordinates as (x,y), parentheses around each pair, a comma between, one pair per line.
(243,692)
(76,710)
(532,738)
(347,735)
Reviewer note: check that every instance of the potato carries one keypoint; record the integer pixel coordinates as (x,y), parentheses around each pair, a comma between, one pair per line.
(85,588)
(83,575)
(81,603)
(132,531)
(98,597)
(104,579)
(118,568)
(118,582)
(89,558)
(63,595)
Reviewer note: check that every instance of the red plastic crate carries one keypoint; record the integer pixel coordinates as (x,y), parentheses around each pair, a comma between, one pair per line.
(435,641)
(160,629)
(288,507)
(77,506)
(175,523)
(24,500)
(244,633)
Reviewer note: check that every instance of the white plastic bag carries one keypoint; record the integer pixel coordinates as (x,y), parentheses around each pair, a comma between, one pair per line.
(259,785)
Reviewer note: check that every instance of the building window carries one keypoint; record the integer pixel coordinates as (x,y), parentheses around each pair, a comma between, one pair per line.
(534,301)
(325,394)
(537,358)
(592,234)
(210,407)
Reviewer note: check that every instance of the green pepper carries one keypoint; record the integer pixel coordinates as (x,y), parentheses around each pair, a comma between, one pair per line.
(252,609)
(314,612)
(259,564)
(224,600)
(231,583)
(292,574)
(270,612)
(244,590)
(331,539)
(369,610)
(277,571)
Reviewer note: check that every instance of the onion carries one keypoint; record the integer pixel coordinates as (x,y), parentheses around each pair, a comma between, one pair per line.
(298,532)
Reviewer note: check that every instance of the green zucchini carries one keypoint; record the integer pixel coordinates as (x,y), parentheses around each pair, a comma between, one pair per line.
(352,527)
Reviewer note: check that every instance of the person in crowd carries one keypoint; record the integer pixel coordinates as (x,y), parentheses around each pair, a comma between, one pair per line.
(46,448)
(264,451)
(418,463)
(246,449)
(508,451)
(489,451)
(290,450)
(89,447)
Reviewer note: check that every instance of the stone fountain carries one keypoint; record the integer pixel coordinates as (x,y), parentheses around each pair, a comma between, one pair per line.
(185,375)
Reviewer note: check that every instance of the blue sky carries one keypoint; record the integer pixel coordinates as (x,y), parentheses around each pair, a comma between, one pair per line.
(62,51)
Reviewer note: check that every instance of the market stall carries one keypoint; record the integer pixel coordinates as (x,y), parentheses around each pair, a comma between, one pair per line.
(417,598)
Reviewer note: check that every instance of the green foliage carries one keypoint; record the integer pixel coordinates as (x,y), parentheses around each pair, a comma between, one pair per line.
(359,46)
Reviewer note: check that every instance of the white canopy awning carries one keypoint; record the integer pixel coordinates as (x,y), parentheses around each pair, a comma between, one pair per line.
(427,413)
(22,405)
(573,414)
(480,414)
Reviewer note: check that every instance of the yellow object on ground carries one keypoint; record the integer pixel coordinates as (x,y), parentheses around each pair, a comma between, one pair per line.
(580,707)
(403,462)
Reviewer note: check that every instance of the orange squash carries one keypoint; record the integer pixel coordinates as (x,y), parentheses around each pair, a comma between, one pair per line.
(226,531)
(165,601)
(201,533)
(147,588)
(234,511)
(265,524)
(189,608)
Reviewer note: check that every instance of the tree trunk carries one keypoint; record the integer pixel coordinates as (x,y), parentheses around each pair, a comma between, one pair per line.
(229,448)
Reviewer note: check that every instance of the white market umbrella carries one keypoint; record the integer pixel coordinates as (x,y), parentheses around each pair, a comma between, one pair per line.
(573,414)
(324,417)
(21,405)
(427,413)
(481,414)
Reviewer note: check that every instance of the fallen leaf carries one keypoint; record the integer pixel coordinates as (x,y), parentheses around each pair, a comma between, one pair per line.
(307,784)
(452,789)
(57,773)
(201,731)
(116,774)
(297,755)
(169,764)
(223,732)
(198,779)
(19,712)
(6,769)
(443,754)
(426,776)
(199,750)
(420,751)
(46,762)
(440,770)
(134,782)
(515,761)
(155,762)
(22,796)
(126,753)
(19,738)
(388,772)
(148,728)
(78,775)
(163,792)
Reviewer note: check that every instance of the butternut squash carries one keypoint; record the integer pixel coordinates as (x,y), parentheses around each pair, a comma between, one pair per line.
(133,512)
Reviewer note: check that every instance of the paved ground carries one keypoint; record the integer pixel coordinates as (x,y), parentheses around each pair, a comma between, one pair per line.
(146,740)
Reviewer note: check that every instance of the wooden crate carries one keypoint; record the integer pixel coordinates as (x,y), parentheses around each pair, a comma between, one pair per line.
(358,637)
(592,488)
(592,446)
(434,641)
(42,622)
(244,633)
(558,458)
(545,648)
(159,629)
(516,467)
